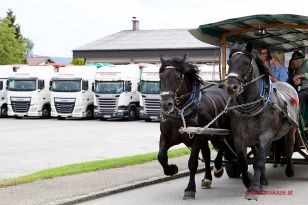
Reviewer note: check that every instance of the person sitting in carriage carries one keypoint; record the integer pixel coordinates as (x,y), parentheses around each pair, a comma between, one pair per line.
(278,68)
(298,76)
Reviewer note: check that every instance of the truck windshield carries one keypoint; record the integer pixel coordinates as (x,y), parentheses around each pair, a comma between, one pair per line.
(149,87)
(66,86)
(21,85)
(109,87)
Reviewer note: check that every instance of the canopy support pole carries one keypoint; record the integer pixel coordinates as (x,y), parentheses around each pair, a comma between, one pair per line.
(223,56)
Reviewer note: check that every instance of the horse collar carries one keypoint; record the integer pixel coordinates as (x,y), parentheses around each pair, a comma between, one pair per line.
(266,91)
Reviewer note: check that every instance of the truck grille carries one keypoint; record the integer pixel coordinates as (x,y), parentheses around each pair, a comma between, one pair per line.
(152,106)
(107,105)
(64,107)
(20,107)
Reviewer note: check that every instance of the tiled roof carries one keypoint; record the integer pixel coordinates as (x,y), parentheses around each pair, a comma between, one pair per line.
(147,40)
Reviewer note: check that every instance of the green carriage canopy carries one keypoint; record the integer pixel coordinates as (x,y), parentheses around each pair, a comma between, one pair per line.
(285,32)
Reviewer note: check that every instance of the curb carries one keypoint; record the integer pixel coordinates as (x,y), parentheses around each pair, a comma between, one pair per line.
(121,188)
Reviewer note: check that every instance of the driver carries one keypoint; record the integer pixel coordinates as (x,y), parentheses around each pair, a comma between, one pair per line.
(299,69)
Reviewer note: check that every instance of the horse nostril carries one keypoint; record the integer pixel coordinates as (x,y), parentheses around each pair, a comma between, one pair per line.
(170,104)
(234,87)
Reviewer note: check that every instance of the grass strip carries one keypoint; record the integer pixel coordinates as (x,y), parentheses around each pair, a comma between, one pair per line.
(90,167)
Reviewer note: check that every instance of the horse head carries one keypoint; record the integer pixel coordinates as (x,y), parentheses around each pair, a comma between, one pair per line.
(176,77)
(240,69)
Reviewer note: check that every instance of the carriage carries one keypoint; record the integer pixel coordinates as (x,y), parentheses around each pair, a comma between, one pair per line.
(285,33)
(259,111)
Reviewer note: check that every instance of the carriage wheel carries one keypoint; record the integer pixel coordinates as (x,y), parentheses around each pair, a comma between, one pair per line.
(233,169)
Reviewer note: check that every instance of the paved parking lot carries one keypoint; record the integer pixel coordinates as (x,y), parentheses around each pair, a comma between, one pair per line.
(30,145)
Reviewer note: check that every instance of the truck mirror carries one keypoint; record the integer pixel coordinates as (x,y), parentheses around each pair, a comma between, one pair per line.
(50,85)
(128,86)
(85,85)
(41,84)
(93,87)
(7,84)
(138,87)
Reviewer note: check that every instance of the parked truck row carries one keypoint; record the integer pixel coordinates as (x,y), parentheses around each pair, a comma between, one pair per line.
(112,91)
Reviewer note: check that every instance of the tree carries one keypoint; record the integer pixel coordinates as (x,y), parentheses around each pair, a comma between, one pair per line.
(78,61)
(12,50)
(12,23)
(14,46)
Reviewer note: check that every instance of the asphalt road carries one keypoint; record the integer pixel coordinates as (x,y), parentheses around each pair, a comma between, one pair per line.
(30,145)
(225,191)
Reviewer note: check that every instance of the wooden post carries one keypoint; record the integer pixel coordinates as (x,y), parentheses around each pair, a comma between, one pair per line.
(223,56)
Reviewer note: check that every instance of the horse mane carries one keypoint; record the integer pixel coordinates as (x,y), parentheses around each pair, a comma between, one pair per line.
(252,54)
(184,67)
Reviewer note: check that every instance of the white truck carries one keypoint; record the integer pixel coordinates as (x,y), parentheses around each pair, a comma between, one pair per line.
(116,94)
(150,93)
(5,72)
(209,72)
(71,93)
(28,92)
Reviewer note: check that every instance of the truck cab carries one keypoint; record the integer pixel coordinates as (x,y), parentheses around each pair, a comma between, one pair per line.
(5,72)
(116,94)
(71,93)
(150,93)
(28,93)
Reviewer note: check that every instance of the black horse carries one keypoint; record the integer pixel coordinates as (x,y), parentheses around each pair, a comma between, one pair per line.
(265,112)
(180,84)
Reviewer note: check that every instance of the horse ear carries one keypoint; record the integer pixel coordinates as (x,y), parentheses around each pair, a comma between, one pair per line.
(249,47)
(184,58)
(162,59)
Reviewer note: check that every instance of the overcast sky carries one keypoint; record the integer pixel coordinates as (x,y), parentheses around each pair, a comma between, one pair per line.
(58,26)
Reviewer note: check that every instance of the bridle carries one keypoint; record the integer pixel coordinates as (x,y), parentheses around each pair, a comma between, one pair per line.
(175,95)
(244,81)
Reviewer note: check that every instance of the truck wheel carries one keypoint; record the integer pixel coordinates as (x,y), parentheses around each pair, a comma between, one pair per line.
(233,169)
(3,111)
(17,117)
(102,119)
(148,120)
(132,113)
(45,112)
(60,118)
(89,113)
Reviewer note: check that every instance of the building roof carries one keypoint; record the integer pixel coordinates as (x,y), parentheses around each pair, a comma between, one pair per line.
(147,40)
(37,60)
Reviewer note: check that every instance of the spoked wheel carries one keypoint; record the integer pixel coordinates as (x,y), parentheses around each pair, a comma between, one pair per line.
(233,169)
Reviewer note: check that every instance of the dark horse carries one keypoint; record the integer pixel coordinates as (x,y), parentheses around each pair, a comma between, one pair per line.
(180,84)
(266,112)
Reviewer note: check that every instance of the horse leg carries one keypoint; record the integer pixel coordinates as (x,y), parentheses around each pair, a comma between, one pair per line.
(259,166)
(242,161)
(206,154)
(218,169)
(163,157)
(190,191)
(289,145)
(241,150)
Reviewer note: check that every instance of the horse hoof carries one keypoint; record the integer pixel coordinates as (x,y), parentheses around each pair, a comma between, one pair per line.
(289,171)
(206,184)
(189,195)
(251,196)
(172,170)
(218,173)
